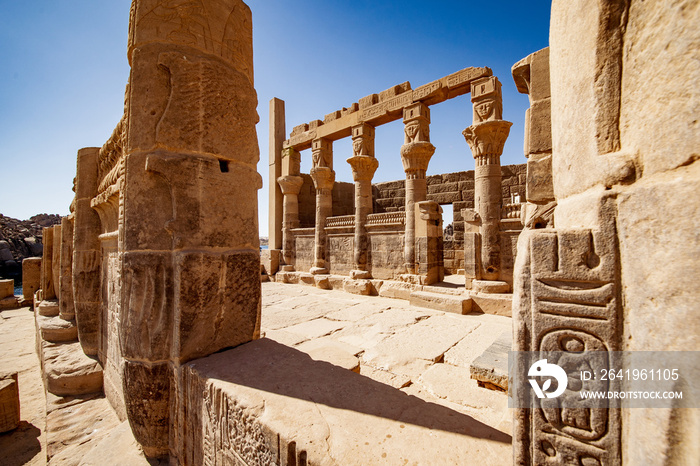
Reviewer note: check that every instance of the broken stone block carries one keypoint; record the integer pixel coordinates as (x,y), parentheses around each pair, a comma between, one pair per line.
(7,288)
(361,287)
(9,402)
(490,370)
(31,277)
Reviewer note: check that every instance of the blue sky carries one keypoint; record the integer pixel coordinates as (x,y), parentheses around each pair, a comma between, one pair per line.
(65,68)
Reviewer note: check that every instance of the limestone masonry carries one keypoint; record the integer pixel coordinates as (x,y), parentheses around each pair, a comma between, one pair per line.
(148,299)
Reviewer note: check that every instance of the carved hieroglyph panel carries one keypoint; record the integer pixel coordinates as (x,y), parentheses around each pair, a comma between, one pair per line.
(570,304)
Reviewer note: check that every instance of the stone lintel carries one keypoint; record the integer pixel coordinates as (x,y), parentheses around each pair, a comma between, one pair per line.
(379,112)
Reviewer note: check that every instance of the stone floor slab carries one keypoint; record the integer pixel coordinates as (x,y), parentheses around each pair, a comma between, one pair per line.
(427,340)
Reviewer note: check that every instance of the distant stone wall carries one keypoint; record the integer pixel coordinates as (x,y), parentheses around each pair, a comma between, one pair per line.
(456,189)
(343,201)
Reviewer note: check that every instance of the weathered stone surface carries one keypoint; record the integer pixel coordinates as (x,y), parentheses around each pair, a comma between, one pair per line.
(316,328)
(489,286)
(442,302)
(56,329)
(9,402)
(486,330)
(119,443)
(300,409)
(385,377)
(490,370)
(371,330)
(68,371)
(400,290)
(419,345)
(31,277)
(361,287)
(496,304)
(73,430)
(48,308)
(7,288)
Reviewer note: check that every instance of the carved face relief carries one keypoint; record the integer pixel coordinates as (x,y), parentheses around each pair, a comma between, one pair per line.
(357,146)
(411,131)
(484,109)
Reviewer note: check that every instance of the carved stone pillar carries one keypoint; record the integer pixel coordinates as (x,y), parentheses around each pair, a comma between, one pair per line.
(186,270)
(47,284)
(290,185)
(486,138)
(324,177)
(415,156)
(363,164)
(86,252)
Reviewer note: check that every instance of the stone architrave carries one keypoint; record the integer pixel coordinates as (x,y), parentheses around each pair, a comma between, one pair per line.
(415,156)
(47,284)
(66,304)
(486,138)
(364,165)
(86,252)
(324,177)
(177,198)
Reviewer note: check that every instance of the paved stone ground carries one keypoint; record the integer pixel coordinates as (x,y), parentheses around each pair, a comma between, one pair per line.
(420,356)
(421,352)
(26,444)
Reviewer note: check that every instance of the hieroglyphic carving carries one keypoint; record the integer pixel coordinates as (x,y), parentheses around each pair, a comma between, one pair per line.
(568,302)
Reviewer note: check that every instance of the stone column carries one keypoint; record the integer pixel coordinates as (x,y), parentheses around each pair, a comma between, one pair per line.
(87,252)
(290,186)
(56,260)
(65,280)
(323,175)
(363,164)
(47,285)
(486,138)
(415,156)
(290,183)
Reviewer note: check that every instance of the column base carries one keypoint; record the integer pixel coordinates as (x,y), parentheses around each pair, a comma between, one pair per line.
(318,270)
(360,274)
(490,286)
(286,268)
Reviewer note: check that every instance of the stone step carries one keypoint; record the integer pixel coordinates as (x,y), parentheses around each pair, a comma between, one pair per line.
(491,368)
(496,304)
(68,370)
(48,308)
(458,304)
(56,329)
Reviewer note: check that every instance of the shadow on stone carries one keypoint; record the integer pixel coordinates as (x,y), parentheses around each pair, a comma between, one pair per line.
(289,384)
(19,446)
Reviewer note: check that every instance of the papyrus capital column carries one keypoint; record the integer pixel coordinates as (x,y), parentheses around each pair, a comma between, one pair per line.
(486,138)
(324,177)
(290,186)
(415,156)
(364,165)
